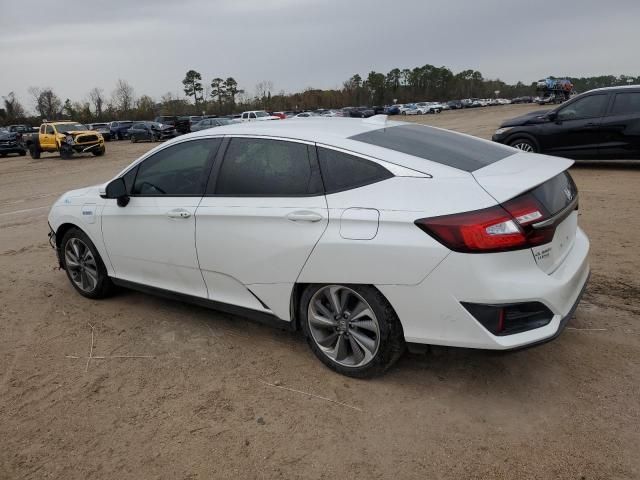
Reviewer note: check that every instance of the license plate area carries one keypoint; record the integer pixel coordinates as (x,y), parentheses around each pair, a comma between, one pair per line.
(550,256)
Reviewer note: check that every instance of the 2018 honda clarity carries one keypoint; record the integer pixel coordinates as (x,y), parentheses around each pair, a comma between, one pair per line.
(367,235)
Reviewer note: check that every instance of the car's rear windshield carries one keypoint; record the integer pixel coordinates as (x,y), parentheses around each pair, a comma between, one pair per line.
(441,146)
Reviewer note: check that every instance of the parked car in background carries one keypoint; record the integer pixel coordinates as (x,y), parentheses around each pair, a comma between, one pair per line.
(392,109)
(440,238)
(599,124)
(211,123)
(11,142)
(306,115)
(66,138)
(257,116)
(181,123)
(21,129)
(120,130)
(454,104)
(524,99)
(102,128)
(281,115)
(409,109)
(151,131)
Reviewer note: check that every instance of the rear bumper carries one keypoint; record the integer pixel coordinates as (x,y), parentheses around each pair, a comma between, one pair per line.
(431,312)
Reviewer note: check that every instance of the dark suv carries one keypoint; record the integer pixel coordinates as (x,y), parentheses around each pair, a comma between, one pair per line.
(599,124)
(120,130)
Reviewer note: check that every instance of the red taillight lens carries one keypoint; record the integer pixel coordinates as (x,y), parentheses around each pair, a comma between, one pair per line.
(494,229)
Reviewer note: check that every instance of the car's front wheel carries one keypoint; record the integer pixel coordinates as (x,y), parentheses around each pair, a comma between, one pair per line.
(66,151)
(524,144)
(83,265)
(351,328)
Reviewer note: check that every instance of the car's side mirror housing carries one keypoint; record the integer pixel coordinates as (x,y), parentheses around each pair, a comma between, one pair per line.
(117,189)
(552,116)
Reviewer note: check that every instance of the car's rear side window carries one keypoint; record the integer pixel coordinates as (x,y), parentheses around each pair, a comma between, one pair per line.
(440,146)
(341,171)
(626,103)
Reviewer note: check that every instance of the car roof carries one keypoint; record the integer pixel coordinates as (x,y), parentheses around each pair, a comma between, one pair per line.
(620,87)
(335,132)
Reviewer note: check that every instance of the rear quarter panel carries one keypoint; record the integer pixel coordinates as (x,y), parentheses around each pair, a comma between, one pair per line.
(399,252)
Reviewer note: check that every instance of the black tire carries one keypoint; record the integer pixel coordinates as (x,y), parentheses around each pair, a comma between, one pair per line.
(34,151)
(132,138)
(104,287)
(2,155)
(22,153)
(524,144)
(66,151)
(391,342)
(99,152)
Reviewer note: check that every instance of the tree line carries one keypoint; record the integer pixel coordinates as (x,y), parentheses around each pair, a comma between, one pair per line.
(223,96)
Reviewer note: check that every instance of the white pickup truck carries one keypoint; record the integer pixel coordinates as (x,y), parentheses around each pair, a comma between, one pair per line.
(257,116)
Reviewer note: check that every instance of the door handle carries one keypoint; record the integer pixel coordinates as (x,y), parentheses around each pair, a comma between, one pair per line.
(304,216)
(178,213)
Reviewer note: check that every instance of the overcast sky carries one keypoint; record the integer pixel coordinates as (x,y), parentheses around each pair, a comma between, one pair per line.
(75,46)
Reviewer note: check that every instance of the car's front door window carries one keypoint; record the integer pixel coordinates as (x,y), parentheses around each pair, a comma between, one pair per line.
(178,170)
(587,107)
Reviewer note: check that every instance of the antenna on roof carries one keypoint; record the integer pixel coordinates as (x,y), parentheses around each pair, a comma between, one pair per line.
(376,120)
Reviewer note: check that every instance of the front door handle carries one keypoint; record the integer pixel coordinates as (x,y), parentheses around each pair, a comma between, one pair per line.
(179,213)
(304,216)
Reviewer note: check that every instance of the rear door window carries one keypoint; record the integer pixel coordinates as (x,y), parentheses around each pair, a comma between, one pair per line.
(341,171)
(626,103)
(267,168)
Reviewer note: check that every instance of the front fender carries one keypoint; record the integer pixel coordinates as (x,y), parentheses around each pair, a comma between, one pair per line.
(86,217)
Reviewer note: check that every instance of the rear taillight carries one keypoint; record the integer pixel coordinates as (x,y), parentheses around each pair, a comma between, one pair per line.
(494,229)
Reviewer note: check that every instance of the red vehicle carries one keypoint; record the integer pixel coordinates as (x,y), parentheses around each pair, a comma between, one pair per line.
(282,115)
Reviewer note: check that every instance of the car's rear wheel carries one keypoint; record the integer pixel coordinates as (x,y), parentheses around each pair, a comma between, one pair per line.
(99,152)
(351,328)
(83,265)
(34,151)
(524,144)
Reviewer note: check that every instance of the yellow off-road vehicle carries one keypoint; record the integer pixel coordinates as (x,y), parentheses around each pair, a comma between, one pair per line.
(65,137)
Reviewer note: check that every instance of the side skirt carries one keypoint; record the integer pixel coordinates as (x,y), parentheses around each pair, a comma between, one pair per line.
(254,315)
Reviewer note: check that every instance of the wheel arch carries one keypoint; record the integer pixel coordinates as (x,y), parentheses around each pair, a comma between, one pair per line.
(526,136)
(299,288)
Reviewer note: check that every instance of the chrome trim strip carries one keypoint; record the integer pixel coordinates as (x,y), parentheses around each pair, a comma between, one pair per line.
(558,216)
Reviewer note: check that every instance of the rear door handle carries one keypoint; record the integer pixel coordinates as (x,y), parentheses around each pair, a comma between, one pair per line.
(304,216)
(179,213)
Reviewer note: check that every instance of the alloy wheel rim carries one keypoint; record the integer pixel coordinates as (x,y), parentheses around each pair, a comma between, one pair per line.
(344,326)
(81,265)
(525,147)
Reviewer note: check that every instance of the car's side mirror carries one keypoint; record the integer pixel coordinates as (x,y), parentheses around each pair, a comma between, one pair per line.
(552,116)
(117,189)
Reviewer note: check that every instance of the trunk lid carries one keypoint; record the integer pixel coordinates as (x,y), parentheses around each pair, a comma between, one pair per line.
(547,179)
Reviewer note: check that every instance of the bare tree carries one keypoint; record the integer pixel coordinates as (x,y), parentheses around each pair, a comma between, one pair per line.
(123,96)
(47,103)
(96,97)
(263,89)
(12,107)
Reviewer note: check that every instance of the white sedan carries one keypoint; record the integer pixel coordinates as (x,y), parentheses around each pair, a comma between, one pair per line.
(366,235)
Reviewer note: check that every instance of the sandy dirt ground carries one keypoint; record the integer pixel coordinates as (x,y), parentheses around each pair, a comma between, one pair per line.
(198,404)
